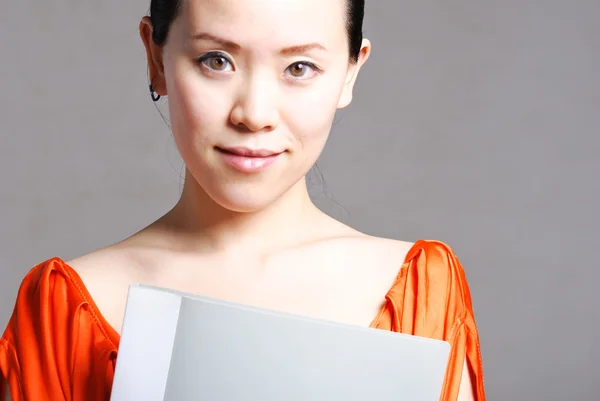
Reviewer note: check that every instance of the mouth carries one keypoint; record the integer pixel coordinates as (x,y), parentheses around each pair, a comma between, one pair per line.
(248,160)
(247,152)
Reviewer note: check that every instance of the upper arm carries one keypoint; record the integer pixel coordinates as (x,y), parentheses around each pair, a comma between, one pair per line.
(53,348)
(437,304)
(33,355)
(465,392)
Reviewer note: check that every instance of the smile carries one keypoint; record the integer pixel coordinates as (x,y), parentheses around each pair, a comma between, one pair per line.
(248,160)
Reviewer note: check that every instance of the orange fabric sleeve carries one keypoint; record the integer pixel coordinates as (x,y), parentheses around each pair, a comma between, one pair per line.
(53,349)
(431,299)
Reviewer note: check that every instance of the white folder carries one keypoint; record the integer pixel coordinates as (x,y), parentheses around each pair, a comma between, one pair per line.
(182,347)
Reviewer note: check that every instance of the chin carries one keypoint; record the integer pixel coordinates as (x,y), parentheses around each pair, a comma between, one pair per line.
(242,193)
(239,195)
(248,201)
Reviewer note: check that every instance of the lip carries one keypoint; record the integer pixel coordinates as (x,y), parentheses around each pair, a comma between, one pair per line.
(248,160)
(241,151)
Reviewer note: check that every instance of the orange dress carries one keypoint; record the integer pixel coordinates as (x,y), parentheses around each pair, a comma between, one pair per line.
(58,346)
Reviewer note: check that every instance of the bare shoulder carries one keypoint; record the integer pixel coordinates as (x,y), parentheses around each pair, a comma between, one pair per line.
(368,245)
(104,265)
(387,253)
(126,260)
(107,274)
(396,247)
(374,255)
(381,248)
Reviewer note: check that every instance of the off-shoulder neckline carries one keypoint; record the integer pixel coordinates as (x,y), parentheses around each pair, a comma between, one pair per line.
(112,334)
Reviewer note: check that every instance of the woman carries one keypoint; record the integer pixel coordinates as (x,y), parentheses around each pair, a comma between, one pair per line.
(253,87)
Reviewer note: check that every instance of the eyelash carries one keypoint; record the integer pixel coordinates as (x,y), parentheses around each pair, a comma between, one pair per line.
(212,55)
(312,66)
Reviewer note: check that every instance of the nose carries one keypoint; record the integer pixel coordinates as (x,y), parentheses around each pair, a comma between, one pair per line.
(256,107)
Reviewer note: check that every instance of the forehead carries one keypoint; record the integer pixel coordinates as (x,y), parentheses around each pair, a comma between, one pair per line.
(268,21)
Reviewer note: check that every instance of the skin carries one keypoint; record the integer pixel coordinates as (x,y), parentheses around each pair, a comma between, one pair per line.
(253,238)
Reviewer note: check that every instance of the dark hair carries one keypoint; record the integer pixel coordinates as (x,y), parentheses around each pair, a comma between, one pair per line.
(164,12)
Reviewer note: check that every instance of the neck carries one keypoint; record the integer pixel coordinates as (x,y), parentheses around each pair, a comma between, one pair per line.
(201,224)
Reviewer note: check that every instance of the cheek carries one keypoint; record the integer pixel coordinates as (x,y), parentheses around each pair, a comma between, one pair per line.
(198,112)
(309,112)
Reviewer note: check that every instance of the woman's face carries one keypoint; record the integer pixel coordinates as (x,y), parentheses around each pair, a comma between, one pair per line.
(253,87)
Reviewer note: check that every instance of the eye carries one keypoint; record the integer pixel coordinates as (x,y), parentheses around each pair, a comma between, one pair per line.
(303,70)
(216,61)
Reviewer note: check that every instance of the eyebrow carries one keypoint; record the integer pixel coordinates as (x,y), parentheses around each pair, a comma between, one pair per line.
(302,49)
(227,44)
(211,38)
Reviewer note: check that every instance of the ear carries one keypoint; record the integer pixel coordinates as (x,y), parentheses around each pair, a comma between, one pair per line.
(154,54)
(354,68)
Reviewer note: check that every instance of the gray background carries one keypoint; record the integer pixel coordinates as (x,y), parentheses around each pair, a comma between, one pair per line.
(475,123)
